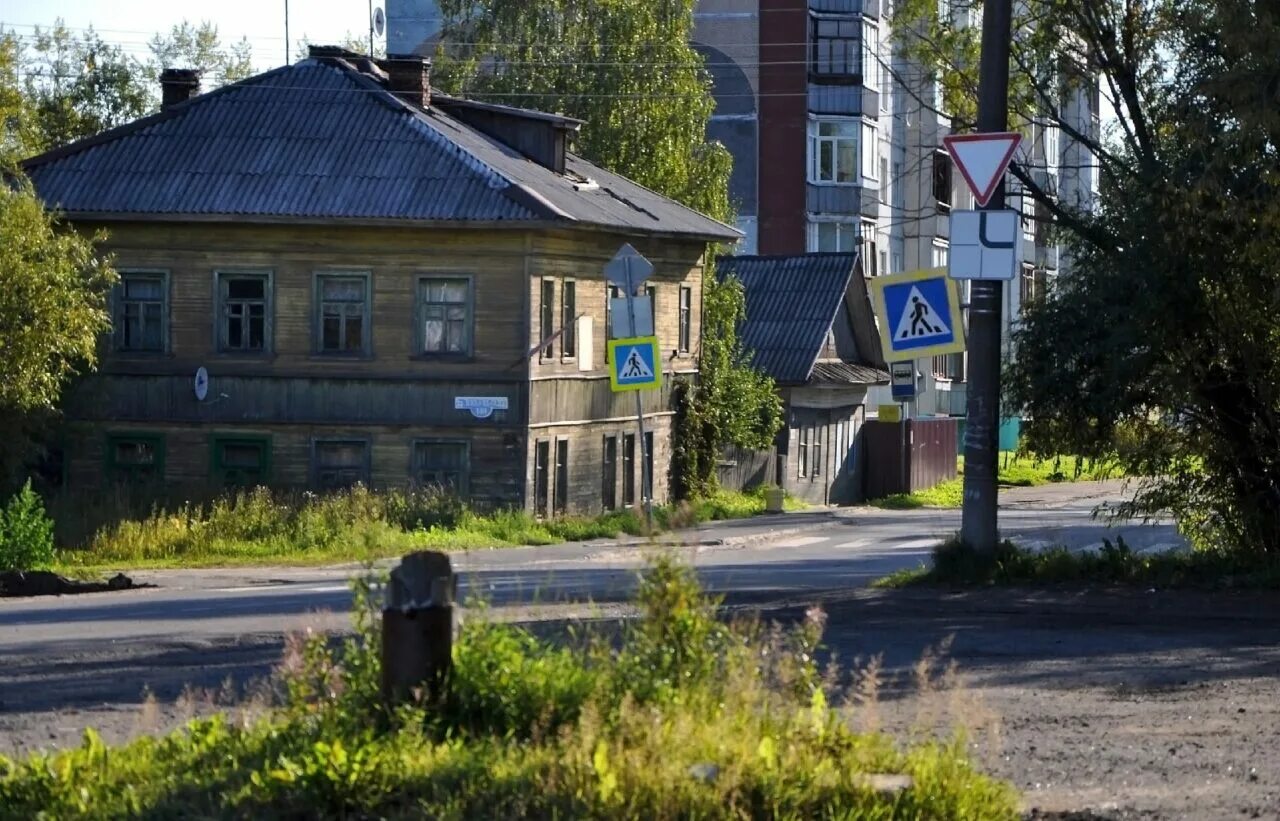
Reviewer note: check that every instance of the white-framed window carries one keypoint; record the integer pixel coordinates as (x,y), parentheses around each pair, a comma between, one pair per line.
(1052,148)
(870,151)
(1027,204)
(833,151)
(941,253)
(834,235)
(870,55)
(870,257)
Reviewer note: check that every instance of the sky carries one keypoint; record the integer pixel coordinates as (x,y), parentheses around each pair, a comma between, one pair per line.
(130,23)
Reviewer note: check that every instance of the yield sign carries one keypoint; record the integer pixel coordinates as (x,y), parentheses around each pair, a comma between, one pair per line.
(982,159)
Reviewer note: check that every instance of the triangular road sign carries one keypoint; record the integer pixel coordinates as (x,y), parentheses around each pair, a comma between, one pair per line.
(919,320)
(982,159)
(635,367)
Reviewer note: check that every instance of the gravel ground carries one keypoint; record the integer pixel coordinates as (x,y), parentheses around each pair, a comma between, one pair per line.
(1096,705)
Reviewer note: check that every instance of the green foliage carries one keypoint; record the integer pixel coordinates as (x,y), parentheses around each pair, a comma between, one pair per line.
(1020,469)
(1114,564)
(200,47)
(19,133)
(735,727)
(26,533)
(258,526)
(1172,358)
(623,66)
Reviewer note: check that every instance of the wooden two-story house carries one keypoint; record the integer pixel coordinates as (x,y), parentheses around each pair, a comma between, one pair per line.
(330,275)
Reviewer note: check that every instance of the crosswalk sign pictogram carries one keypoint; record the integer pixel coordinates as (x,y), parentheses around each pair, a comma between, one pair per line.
(634,364)
(918,314)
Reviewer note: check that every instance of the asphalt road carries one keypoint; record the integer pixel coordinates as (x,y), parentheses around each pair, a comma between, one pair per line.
(757,560)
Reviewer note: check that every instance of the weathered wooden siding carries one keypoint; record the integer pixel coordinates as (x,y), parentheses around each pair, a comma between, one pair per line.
(833,420)
(188,451)
(586,461)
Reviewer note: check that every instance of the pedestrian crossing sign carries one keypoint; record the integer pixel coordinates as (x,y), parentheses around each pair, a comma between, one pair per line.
(918,314)
(634,364)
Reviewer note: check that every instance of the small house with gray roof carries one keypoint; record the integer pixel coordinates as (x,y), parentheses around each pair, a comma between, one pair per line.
(331,275)
(809,326)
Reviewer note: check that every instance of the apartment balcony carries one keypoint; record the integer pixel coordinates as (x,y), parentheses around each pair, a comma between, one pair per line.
(844,100)
(847,200)
(870,8)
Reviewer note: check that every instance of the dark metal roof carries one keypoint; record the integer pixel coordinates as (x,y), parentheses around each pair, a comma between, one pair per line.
(791,302)
(321,140)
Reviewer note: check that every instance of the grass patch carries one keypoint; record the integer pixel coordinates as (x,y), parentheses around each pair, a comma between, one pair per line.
(681,716)
(1016,470)
(1114,564)
(258,527)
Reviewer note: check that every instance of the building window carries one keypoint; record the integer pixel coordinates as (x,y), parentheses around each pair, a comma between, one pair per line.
(1028,291)
(871,57)
(562,476)
(339,463)
(342,320)
(244,313)
(651,291)
(1052,148)
(628,469)
(942,180)
(941,254)
(609,473)
(611,293)
(541,485)
(569,319)
(815,457)
(870,151)
(949,366)
(867,245)
(135,458)
(836,52)
(833,151)
(442,463)
(686,318)
(648,465)
(444,315)
(547,318)
(1027,205)
(833,236)
(241,461)
(802,452)
(141,312)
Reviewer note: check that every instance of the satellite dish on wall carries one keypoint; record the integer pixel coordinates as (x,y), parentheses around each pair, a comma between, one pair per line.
(201,384)
(379,21)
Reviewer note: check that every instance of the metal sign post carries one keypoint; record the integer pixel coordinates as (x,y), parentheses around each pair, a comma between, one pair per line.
(628,270)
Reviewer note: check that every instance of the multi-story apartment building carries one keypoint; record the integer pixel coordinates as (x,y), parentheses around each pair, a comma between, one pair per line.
(837,146)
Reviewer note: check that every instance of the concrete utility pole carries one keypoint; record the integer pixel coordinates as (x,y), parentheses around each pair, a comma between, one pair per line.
(978,527)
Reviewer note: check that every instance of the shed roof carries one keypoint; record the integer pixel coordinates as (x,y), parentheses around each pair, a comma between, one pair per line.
(791,303)
(321,140)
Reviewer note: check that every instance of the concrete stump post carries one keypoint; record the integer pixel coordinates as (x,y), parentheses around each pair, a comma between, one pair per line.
(418,627)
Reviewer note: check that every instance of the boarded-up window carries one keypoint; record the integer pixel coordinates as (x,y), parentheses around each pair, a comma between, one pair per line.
(244,310)
(339,463)
(444,311)
(140,312)
(344,313)
(442,463)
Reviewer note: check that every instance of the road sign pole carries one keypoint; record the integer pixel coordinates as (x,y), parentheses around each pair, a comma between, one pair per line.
(646,481)
(979,526)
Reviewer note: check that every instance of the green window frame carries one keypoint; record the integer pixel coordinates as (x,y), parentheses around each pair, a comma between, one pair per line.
(135,458)
(229,460)
(343,316)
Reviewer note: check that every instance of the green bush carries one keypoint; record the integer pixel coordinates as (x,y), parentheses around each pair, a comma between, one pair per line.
(26,533)
(678,715)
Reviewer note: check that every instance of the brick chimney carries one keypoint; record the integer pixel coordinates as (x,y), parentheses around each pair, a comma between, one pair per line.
(409,77)
(178,85)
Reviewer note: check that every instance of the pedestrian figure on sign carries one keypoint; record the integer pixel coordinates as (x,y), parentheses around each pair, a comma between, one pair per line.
(919,311)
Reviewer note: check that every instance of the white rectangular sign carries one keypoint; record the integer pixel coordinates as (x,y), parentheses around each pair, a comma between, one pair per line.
(984,245)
